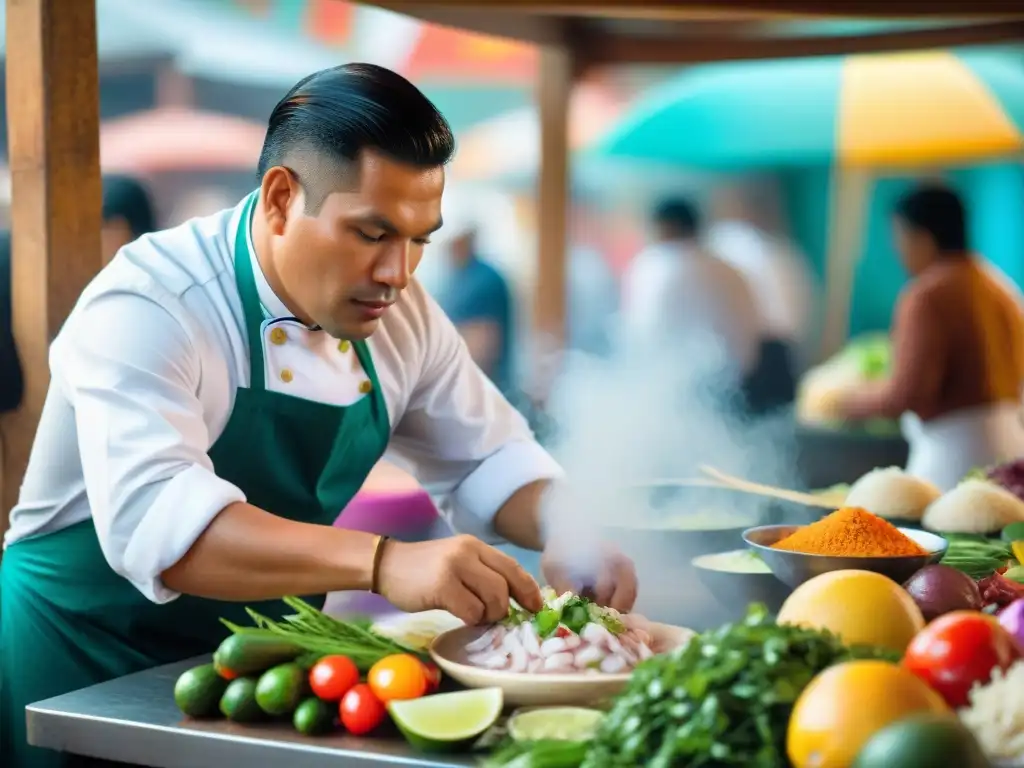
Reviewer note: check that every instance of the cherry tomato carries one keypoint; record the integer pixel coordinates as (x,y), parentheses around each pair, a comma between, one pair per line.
(958,650)
(401,676)
(332,677)
(224,672)
(433,676)
(360,710)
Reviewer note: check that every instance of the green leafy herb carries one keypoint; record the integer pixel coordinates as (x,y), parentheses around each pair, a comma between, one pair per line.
(722,700)
(322,635)
(977,556)
(539,754)
(546,621)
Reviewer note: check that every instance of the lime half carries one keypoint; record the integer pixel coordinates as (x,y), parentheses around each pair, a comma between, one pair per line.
(445,721)
(554,724)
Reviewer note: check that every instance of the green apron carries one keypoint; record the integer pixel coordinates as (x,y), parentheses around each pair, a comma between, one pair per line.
(68,621)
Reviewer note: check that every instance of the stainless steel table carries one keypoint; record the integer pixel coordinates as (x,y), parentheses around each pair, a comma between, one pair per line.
(134,720)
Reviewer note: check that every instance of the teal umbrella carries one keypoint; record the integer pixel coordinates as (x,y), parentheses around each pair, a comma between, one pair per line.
(905,110)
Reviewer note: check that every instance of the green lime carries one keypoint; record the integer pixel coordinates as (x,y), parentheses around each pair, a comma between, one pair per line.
(314,717)
(447,721)
(281,688)
(197,692)
(239,701)
(554,724)
(923,741)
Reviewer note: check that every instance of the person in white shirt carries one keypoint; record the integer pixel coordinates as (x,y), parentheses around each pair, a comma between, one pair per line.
(742,235)
(678,299)
(222,389)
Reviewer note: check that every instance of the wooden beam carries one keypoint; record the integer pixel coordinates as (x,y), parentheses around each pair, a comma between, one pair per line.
(890,9)
(554,90)
(53,129)
(599,49)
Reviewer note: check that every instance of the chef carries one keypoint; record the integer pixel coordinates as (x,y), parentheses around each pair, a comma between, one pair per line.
(958,349)
(222,389)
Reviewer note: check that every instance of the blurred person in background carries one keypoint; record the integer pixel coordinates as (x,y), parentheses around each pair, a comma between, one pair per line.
(10,367)
(746,234)
(958,348)
(678,298)
(127,213)
(593,289)
(477,299)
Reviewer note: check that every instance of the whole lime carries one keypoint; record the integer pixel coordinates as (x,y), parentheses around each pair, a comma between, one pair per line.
(923,741)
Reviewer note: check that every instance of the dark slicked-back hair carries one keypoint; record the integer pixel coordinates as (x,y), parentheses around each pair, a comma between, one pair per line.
(327,119)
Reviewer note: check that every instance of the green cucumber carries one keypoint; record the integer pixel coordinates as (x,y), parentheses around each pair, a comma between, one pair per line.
(241,655)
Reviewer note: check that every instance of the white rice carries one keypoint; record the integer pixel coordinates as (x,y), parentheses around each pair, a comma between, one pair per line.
(996,714)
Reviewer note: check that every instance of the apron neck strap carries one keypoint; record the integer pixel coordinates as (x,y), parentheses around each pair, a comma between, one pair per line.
(251,308)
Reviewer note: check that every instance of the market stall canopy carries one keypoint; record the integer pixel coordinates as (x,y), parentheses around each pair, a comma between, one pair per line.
(671,31)
(446,54)
(179,140)
(510,143)
(883,110)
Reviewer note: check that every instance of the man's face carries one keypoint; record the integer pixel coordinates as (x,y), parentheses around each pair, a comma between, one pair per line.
(915,247)
(345,266)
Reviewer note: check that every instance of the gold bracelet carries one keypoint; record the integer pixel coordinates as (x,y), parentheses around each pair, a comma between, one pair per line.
(378,555)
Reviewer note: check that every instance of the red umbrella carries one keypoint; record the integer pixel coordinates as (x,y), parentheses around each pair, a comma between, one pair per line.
(442,53)
(176,139)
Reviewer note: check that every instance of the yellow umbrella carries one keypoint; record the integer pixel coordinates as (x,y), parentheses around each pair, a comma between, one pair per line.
(862,114)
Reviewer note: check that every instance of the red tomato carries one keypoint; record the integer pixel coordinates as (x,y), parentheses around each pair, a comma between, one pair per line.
(360,710)
(332,677)
(401,676)
(958,650)
(433,676)
(225,673)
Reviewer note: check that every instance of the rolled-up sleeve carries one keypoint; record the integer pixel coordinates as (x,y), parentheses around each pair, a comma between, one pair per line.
(130,372)
(461,438)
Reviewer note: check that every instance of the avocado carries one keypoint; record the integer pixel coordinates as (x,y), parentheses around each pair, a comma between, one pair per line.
(197,692)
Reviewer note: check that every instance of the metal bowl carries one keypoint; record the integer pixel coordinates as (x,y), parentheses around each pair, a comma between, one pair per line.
(794,568)
(735,590)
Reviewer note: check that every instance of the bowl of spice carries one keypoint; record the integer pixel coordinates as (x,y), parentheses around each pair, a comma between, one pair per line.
(848,539)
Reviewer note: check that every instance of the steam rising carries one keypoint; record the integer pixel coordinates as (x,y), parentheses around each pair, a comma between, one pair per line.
(655,414)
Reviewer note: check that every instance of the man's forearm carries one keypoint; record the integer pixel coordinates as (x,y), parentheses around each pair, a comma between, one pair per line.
(519,519)
(249,554)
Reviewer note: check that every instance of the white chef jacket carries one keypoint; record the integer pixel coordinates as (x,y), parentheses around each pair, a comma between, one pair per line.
(144,374)
(779,278)
(674,293)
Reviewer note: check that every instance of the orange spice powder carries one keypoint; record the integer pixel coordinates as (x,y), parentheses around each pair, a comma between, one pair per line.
(850,532)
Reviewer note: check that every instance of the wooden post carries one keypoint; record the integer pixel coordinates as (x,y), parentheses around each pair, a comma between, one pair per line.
(553,93)
(53,129)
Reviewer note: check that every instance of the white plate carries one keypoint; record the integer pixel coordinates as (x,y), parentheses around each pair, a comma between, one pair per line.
(523,689)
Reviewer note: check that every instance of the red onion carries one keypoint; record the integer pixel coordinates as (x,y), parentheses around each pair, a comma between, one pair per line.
(1012,620)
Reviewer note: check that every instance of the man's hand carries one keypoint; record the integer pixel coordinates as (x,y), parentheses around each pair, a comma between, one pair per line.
(612,582)
(461,575)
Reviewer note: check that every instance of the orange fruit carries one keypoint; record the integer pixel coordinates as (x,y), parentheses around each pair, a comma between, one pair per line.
(847,704)
(398,677)
(861,607)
